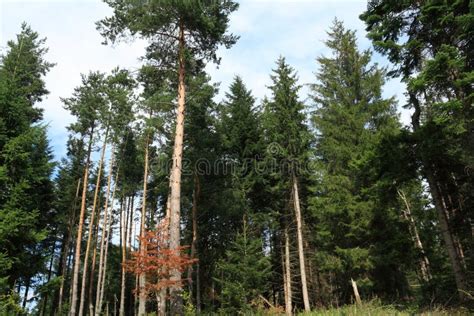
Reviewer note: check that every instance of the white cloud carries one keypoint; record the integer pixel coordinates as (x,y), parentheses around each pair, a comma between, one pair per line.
(74,45)
(267,29)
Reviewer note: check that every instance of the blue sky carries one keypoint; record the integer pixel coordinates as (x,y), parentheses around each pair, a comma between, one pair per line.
(267,29)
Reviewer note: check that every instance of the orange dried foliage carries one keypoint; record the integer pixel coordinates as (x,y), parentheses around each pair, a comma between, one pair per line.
(158,260)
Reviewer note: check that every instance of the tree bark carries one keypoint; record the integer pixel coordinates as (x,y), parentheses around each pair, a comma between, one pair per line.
(196,194)
(459,274)
(98,306)
(442,211)
(356,293)
(57,304)
(77,256)
(102,289)
(91,277)
(424,262)
(299,232)
(27,290)
(142,276)
(287,275)
(123,235)
(91,226)
(175,176)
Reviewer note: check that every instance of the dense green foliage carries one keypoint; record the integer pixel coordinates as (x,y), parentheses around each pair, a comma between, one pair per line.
(357,223)
(27,216)
(284,202)
(430,44)
(243,273)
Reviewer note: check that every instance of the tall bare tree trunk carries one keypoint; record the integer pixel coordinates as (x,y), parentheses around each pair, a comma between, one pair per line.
(104,274)
(175,176)
(164,291)
(441,209)
(91,277)
(91,226)
(98,307)
(77,256)
(459,274)
(131,234)
(424,262)
(142,276)
(299,232)
(63,261)
(287,275)
(123,236)
(196,194)
(44,303)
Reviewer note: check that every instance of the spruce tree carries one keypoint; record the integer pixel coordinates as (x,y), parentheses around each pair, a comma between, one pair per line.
(287,138)
(351,119)
(430,45)
(242,143)
(26,209)
(243,273)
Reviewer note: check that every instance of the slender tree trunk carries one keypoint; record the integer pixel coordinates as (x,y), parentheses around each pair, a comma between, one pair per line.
(299,232)
(91,226)
(131,233)
(77,256)
(27,290)
(57,304)
(102,240)
(287,275)
(196,194)
(163,292)
(356,293)
(424,262)
(93,264)
(142,276)
(443,212)
(459,275)
(175,177)
(198,289)
(123,224)
(44,303)
(104,274)
(137,289)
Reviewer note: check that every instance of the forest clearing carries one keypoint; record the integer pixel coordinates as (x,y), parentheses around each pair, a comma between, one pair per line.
(325,167)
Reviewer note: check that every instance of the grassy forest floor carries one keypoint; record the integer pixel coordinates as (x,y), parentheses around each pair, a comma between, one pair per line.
(374,308)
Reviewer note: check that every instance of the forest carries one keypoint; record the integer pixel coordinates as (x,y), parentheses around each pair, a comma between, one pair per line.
(172,201)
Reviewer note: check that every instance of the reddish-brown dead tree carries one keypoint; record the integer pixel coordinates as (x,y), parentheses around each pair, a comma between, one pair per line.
(158,261)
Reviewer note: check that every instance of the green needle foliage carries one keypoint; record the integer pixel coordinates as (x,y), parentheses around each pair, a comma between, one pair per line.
(26,190)
(351,119)
(286,204)
(430,45)
(243,273)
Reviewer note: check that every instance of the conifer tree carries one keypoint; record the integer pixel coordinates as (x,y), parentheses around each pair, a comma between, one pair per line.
(288,140)
(68,186)
(86,102)
(243,273)
(119,89)
(351,119)
(179,29)
(26,197)
(242,143)
(430,45)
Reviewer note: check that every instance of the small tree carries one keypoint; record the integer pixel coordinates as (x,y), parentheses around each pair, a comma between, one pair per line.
(243,272)
(158,261)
